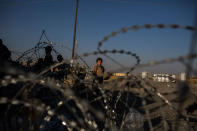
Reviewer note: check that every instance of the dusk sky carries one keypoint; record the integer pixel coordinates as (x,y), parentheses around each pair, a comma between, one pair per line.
(23,20)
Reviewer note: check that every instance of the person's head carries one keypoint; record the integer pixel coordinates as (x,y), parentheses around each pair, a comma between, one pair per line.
(60,58)
(99,61)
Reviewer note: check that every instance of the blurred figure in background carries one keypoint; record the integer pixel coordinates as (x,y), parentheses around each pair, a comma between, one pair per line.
(5,54)
(38,67)
(59,58)
(48,59)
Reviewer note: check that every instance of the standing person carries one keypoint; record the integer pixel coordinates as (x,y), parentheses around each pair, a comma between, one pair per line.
(48,60)
(99,70)
(60,58)
(5,57)
(5,54)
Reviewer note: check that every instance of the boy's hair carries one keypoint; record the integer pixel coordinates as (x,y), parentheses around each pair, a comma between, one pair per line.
(99,59)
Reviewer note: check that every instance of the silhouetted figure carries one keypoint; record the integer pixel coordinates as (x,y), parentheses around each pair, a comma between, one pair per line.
(29,65)
(39,65)
(48,60)
(59,58)
(61,70)
(40,61)
(5,54)
(99,70)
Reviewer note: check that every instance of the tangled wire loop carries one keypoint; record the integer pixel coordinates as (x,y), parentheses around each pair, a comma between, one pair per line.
(128,103)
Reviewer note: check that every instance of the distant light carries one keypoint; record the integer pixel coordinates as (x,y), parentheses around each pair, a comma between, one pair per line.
(64,123)
(60,103)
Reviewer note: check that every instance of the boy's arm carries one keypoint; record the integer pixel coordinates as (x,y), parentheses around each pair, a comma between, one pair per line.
(95,69)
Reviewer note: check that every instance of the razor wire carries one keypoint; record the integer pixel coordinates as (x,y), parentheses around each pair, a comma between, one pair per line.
(128,87)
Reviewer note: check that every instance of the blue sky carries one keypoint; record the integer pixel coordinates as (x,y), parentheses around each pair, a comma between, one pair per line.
(23,20)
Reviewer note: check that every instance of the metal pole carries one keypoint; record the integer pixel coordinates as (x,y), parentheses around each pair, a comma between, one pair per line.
(74,35)
(76,51)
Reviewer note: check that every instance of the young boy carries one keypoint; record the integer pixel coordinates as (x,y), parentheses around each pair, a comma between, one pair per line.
(99,70)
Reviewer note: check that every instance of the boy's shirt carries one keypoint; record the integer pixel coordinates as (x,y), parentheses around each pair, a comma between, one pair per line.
(99,70)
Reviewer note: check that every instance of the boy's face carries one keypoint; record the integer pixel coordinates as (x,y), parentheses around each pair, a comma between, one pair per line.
(99,62)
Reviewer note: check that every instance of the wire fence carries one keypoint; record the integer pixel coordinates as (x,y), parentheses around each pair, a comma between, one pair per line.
(74,100)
